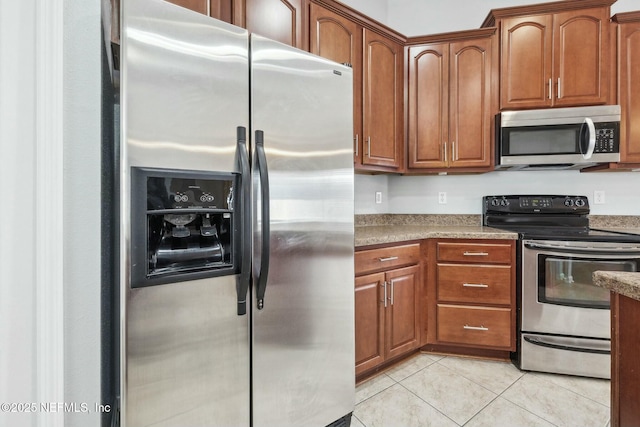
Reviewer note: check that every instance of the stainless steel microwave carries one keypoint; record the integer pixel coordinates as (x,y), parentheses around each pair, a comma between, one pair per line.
(558,138)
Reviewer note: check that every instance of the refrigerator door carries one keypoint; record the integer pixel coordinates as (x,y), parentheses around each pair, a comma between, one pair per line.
(303,337)
(184,90)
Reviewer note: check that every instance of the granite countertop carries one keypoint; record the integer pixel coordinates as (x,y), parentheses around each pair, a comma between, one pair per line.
(379,234)
(375,229)
(623,282)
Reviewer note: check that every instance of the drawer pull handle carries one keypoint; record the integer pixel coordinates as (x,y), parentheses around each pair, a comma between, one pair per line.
(391,258)
(476,328)
(475,253)
(475,285)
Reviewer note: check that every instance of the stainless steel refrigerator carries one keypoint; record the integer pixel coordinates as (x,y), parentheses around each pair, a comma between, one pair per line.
(236,227)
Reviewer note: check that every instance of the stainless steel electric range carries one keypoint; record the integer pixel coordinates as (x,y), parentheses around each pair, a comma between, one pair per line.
(563,318)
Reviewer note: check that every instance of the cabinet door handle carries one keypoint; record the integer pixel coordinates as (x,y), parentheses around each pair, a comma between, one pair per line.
(445,151)
(391,258)
(356,144)
(454,153)
(559,92)
(384,285)
(369,146)
(475,328)
(475,253)
(392,291)
(550,89)
(475,285)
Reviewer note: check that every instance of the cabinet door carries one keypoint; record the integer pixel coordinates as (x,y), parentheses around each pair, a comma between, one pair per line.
(470,109)
(402,311)
(280,20)
(369,321)
(526,62)
(338,39)
(581,69)
(629,81)
(428,105)
(224,10)
(383,99)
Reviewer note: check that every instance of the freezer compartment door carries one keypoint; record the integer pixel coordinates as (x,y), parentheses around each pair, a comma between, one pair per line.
(303,317)
(187,360)
(184,100)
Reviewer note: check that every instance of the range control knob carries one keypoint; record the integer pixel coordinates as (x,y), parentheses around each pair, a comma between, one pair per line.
(580,203)
(495,202)
(568,202)
(504,202)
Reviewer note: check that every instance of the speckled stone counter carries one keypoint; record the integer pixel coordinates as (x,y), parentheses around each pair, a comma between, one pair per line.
(622,282)
(375,229)
(379,234)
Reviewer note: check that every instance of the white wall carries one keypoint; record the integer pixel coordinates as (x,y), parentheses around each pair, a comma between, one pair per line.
(420,17)
(82,209)
(25,364)
(17,226)
(376,9)
(419,194)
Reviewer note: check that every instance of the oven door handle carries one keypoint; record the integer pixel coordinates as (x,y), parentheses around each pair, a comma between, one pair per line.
(544,343)
(585,250)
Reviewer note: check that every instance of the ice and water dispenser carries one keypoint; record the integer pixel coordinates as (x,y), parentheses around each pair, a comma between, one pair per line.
(183,226)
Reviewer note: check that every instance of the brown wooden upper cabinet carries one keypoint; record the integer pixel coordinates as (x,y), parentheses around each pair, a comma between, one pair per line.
(377,62)
(230,11)
(625,66)
(280,20)
(339,39)
(383,102)
(554,54)
(451,101)
(628,41)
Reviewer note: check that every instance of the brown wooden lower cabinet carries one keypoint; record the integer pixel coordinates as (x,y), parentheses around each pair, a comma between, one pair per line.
(386,305)
(369,322)
(474,325)
(470,296)
(625,361)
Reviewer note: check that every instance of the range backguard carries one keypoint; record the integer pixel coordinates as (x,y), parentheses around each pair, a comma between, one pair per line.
(183,225)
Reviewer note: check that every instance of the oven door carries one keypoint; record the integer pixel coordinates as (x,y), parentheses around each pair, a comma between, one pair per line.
(558,293)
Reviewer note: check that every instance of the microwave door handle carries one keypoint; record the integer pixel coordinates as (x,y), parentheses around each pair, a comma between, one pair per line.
(587,137)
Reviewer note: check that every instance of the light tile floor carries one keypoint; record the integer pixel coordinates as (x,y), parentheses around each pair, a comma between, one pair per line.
(432,390)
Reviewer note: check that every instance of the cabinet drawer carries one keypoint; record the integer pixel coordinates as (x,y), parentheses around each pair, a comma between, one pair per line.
(473,283)
(386,258)
(494,253)
(481,326)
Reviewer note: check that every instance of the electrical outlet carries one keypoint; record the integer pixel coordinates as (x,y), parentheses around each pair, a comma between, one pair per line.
(598,197)
(442,198)
(378,197)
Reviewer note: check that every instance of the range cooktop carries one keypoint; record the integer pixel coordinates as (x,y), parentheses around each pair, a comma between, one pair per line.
(548,217)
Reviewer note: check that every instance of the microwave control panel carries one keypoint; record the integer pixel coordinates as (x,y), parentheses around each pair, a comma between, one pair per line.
(607,140)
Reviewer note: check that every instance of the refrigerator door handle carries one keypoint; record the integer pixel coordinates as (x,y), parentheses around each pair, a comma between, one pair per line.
(245,215)
(263,273)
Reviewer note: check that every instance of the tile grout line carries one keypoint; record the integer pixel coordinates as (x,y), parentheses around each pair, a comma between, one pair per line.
(427,403)
(524,409)
(568,389)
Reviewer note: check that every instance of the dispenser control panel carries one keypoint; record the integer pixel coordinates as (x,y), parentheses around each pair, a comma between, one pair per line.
(183,225)
(184,193)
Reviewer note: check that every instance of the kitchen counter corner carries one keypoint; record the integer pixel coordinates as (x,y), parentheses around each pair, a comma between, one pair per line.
(623,282)
(380,234)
